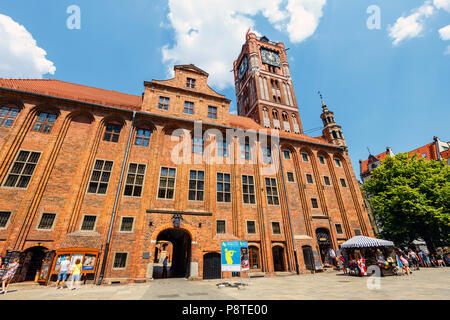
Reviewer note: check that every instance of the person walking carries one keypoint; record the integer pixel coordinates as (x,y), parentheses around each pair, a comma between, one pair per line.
(404,262)
(9,275)
(332,257)
(413,258)
(63,269)
(76,275)
(164,273)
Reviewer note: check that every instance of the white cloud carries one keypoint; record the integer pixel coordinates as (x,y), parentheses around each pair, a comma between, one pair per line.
(442,4)
(444,33)
(412,25)
(20,57)
(210,33)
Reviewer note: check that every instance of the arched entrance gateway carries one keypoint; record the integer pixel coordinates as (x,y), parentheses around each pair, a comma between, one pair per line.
(32,263)
(180,256)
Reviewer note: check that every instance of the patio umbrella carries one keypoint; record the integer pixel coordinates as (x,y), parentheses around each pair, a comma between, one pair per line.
(363,242)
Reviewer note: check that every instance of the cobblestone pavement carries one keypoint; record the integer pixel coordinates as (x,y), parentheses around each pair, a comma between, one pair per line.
(424,284)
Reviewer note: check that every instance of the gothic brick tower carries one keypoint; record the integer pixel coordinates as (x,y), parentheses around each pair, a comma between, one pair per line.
(264,87)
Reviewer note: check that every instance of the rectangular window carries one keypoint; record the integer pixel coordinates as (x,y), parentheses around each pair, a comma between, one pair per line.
(245,151)
(220,226)
(47,220)
(166,183)
(337,162)
(305,157)
(120,260)
(267,155)
(112,133)
(4,218)
(196,185)
(135,180)
(7,116)
(223,187)
(190,83)
(189,107)
(212,112)
(357,232)
(163,103)
(44,123)
(101,174)
(222,149)
(338,228)
(326,180)
(197,145)
(343,183)
(321,160)
(287,154)
(127,224)
(143,137)
(272,192)
(314,203)
(290,177)
(309,178)
(22,169)
(276,228)
(88,223)
(248,189)
(424,155)
(251,227)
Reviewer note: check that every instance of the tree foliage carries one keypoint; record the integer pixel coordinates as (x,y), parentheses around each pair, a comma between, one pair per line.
(410,199)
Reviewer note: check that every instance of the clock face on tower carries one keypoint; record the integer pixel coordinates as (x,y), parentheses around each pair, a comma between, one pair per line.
(270,57)
(243,67)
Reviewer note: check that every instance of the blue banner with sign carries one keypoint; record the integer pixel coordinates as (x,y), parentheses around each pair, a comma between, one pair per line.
(231,256)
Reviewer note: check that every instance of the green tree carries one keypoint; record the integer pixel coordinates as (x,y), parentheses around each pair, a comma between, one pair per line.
(410,198)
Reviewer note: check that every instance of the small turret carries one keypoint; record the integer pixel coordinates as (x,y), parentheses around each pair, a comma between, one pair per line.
(331,131)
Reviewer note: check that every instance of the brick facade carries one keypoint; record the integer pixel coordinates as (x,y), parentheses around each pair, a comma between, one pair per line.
(69,153)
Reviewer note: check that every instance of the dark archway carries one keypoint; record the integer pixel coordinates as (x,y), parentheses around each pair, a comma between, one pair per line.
(278,258)
(32,264)
(212,266)
(181,254)
(308,257)
(324,242)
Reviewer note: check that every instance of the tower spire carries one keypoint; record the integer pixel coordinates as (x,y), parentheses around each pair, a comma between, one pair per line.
(324,106)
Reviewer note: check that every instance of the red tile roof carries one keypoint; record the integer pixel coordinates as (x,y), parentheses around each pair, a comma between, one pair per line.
(247,123)
(74,91)
(429,150)
(365,164)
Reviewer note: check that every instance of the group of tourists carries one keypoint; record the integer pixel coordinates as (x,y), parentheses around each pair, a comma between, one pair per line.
(65,269)
(402,261)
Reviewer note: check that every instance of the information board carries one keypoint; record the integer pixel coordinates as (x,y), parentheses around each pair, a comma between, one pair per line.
(231,258)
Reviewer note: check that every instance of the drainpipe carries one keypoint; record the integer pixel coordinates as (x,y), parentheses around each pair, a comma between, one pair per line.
(289,213)
(113,217)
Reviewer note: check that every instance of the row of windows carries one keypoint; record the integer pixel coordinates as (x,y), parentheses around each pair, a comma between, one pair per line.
(251,227)
(88,224)
(164,103)
(22,170)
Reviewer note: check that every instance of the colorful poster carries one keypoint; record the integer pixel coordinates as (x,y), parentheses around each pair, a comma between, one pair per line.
(244,256)
(75,257)
(231,259)
(89,262)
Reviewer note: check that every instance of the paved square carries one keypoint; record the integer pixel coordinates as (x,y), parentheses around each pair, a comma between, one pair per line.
(427,283)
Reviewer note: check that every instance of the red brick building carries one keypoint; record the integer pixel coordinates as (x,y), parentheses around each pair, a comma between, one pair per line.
(91,173)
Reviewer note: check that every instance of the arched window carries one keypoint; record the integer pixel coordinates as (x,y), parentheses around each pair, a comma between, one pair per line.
(44,122)
(334,134)
(7,116)
(285,116)
(275,114)
(340,135)
(295,124)
(253,256)
(266,119)
(143,137)
(112,132)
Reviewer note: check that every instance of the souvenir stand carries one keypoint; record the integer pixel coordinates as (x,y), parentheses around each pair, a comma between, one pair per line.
(376,252)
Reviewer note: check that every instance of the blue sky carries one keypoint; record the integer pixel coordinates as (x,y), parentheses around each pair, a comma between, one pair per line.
(382,94)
